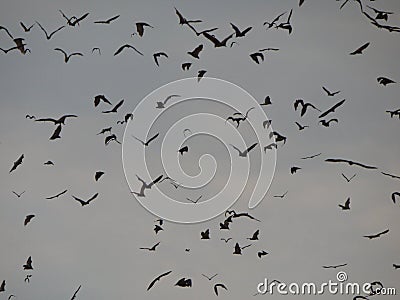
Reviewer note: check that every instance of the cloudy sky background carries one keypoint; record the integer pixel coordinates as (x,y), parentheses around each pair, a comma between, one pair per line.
(97,246)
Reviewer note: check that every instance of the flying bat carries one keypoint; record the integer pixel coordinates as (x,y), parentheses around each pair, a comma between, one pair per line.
(346,205)
(329,93)
(148,141)
(108,21)
(374,236)
(83,202)
(157,55)
(360,49)
(245,152)
(219,285)
(153,248)
(332,109)
(28,264)
(17,163)
(351,163)
(158,278)
(183,282)
(49,36)
(56,196)
(76,292)
(334,266)
(119,50)
(115,108)
(28,218)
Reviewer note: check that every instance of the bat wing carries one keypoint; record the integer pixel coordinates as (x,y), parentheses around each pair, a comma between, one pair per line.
(332,109)
(152,138)
(79,200)
(251,147)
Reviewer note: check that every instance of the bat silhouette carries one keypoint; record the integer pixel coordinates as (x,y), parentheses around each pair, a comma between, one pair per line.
(351,163)
(56,196)
(380,14)
(293,170)
(257,57)
(209,278)
(28,264)
(108,21)
(157,228)
(348,179)
(98,175)
(311,156)
(120,49)
(110,138)
(326,123)
(183,282)
(148,141)
(301,127)
(158,278)
(360,49)
(233,214)
(49,163)
(219,285)
(157,55)
(346,205)
(332,109)
(268,49)
(238,249)
(183,150)
(226,240)
(224,226)
(196,51)
(286,25)
(14,48)
(161,104)
(262,253)
(205,235)
(17,163)
(334,266)
(385,81)
(186,66)
(49,36)
(146,185)
(245,152)
(394,112)
(76,293)
(72,21)
(153,248)
(28,218)
(329,93)
(140,27)
(183,20)
(394,195)
(254,237)
(304,106)
(83,202)
(374,236)
(278,137)
(115,108)
(26,29)
(267,101)
(270,146)
(200,74)
(238,32)
(105,130)
(99,98)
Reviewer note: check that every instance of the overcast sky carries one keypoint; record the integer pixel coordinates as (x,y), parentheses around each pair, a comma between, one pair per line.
(97,246)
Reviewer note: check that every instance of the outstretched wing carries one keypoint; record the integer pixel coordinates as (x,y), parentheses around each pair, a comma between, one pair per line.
(250,148)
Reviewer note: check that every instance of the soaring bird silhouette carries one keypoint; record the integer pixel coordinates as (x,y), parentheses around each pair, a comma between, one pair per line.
(140,27)
(238,32)
(72,21)
(360,49)
(304,105)
(348,179)
(158,278)
(57,195)
(76,293)
(346,205)
(184,282)
(17,163)
(374,236)
(148,141)
(49,36)
(301,127)
(161,104)
(219,285)
(246,151)
(146,186)
(209,277)
(254,237)
(262,253)
(18,194)
(195,201)
(273,22)
(384,81)
(26,29)
(350,162)
(28,218)
(183,20)
(332,109)
(87,202)
(196,51)
(281,196)
(28,264)
(115,108)
(390,175)
(334,266)
(329,93)
(108,21)
(153,248)
(120,49)
(311,156)
(157,55)
(217,43)
(267,101)
(60,121)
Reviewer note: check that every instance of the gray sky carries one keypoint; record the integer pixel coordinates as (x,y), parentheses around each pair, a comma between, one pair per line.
(97,246)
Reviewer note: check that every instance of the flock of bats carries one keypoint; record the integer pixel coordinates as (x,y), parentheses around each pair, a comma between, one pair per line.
(326,118)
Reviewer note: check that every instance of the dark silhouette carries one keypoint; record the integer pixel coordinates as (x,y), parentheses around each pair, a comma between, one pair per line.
(334,266)
(348,179)
(162,104)
(115,108)
(385,81)
(246,151)
(98,175)
(108,21)
(153,248)
(332,109)
(99,98)
(238,249)
(49,36)
(56,196)
(205,235)
(209,278)
(146,186)
(83,202)
(119,50)
(374,236)
(158,279)
(183,150)
(140,27)
(360,49)
(17,163)
(183,282)
(326,123)
(239,33)
(157,55)
(76,293)
(28,218)
(148,141)
(304,105)
(351,163)
(28,264)
(346,205)
(219,285)
(330,94)
(254,237)
(293,170)
(26,29)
